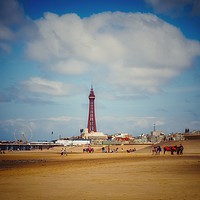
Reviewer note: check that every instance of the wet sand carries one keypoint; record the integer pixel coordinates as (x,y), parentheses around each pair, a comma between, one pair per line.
(138,175)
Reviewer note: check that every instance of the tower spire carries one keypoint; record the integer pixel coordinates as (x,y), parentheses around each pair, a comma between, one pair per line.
(91,116)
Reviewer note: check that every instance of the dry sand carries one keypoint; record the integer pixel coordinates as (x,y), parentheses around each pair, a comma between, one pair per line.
(139,175)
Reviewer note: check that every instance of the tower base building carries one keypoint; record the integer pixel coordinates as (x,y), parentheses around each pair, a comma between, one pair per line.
(94,135)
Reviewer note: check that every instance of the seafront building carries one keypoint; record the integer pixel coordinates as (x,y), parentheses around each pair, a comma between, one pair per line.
(72,142)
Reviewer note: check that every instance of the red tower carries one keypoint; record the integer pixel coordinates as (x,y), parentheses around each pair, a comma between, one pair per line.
(91,116)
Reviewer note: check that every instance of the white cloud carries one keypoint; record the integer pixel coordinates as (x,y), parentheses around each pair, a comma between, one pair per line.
(138,51)
(44,86)
(41,128)
(62,119)
(38,91)
(70,67)
(131,124)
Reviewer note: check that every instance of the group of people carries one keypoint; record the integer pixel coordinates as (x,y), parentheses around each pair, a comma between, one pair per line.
(178,149)
(131,150)
(109,150)
(63,152)
(116,150)
(156,150)
(2,151)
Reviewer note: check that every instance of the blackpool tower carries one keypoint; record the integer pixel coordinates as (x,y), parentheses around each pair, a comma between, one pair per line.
(91,116)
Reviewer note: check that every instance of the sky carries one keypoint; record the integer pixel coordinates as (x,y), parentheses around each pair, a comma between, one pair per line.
(142,58)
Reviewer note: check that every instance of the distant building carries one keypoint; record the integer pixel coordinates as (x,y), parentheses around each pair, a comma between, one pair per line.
(93,135)
(73,142)
(157,136)
(123,137)
(194,135)
(142,139)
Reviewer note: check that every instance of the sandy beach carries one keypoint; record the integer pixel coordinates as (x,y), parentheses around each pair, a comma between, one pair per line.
(139,175)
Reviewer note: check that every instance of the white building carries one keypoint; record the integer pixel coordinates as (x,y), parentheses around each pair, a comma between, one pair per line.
(73,142)
(94,135)
(157,136)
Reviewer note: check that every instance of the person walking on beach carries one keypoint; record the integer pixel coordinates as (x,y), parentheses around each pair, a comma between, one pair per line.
(62,152)
(154,150)
(65,152)
(181,149)
(108,149)
(159,149)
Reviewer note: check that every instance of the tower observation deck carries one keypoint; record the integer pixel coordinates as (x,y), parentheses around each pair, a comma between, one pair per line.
(91,116)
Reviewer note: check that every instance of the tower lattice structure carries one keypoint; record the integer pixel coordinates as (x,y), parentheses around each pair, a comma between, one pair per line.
(91,116)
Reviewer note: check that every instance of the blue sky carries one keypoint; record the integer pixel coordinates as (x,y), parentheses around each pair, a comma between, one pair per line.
(142,58)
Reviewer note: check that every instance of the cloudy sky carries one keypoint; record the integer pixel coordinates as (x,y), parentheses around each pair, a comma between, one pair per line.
(142,58)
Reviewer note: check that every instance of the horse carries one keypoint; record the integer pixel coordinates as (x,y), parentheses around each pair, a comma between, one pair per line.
(172,149)
(88,150)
